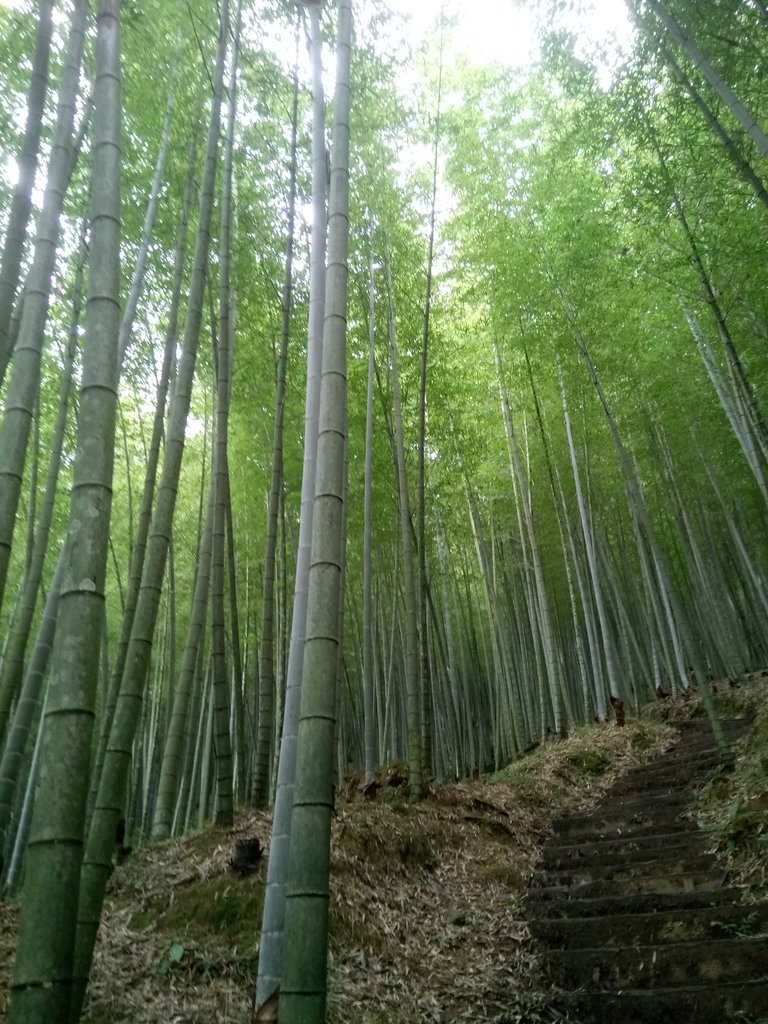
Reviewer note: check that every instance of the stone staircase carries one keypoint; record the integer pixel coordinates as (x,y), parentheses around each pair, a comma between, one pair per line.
(636,917)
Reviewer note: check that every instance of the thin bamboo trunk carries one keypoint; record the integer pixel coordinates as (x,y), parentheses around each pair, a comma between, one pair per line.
(140,267)
(701,62)
(21,204)
(12,670)
(541,604)
(25,376)
(28,704)
(369,744)
(170,772)
(223,362)
(266,650)
(412,687)
(153,461)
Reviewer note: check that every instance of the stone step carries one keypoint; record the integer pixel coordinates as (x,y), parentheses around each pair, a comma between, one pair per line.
(614,850)
(694,743)
(695,1004)
(558,902)
(619,930)
(701,738)
(625,815)
(714,961)
(630,790)
(701,725)
(633,906)
(613,832)
(642,803)
(658,884)
(685,773)
(681,753)
(691,748)
(633,868)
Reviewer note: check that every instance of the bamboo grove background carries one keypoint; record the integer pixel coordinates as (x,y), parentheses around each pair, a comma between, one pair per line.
(554,475)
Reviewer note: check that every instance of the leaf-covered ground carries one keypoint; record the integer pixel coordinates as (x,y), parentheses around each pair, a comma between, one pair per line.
(427,918)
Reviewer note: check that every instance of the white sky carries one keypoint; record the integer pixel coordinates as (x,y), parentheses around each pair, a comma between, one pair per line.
(488,29)
(505,30)
(501,30)
(498,30)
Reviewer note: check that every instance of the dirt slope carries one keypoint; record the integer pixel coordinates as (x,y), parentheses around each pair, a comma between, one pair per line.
(427,910)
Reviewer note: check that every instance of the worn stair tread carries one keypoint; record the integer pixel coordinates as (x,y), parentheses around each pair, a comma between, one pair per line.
(695,739)
(579,848)
(693,726)
(653,790)
(632,902)
(624,815)
(712,961)
(598,829)
(699,760)
(696,744)
(679,1004)
(590,906)
(651,927)
(687,768)
(650,885)
(614,851)
(679,754)
(598,869)
(646,801)
(687,772)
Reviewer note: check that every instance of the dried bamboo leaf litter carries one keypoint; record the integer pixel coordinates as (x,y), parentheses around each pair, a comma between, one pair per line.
(427,920)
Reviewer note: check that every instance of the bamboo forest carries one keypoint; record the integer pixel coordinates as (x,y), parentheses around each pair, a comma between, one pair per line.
(383,511)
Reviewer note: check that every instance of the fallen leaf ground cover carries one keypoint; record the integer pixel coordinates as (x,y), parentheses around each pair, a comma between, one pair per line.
(427,904)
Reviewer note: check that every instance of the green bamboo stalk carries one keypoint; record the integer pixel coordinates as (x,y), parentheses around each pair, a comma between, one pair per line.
(43,985)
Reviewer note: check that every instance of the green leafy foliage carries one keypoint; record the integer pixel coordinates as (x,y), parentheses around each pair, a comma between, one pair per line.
(172,957)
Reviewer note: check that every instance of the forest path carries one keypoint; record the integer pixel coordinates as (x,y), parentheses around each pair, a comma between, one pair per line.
(638,918)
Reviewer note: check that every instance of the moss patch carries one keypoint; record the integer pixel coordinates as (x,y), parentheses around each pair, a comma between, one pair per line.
(590,762)
(220,909)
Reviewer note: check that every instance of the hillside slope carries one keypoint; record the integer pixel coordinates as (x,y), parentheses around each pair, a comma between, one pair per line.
(427,915)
